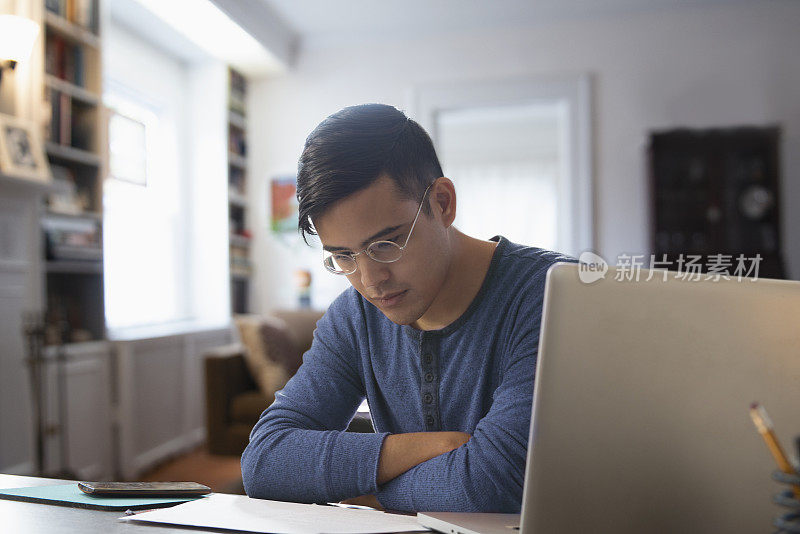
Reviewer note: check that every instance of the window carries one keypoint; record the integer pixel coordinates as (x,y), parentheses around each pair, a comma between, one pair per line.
(144,217)
(128,146)
(506,163)
(146,199)
(519,152)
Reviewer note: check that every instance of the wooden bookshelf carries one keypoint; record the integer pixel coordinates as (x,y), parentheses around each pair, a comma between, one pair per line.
(237,120)
(236,160)
(716,192)
(70,154)
(59,24)
(239,250)
(74,267)
(237,200)
(72,90)
(76,145)
(240,241)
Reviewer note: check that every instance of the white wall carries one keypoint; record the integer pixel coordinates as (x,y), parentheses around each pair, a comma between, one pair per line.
(208,184)
(688,66)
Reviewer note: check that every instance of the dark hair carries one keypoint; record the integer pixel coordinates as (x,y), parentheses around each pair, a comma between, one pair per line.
(352,148)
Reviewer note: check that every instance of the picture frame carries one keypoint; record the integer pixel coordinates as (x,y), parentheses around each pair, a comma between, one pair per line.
(21,151)
(283,204)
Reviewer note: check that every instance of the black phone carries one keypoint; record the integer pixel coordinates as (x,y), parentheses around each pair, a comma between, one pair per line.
(152,489)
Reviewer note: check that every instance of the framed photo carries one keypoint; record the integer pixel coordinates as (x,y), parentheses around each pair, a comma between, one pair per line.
(21,151)
(284,204)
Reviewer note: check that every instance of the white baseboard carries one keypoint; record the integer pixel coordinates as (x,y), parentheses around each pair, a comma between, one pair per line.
(93,472)
(171,448)
(25,469)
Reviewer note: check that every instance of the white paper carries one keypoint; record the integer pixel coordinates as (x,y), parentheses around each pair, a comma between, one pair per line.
(238,512)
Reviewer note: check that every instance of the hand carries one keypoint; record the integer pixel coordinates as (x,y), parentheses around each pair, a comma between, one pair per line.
(364,500)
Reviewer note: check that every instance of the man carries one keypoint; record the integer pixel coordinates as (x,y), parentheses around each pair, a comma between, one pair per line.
(439,332)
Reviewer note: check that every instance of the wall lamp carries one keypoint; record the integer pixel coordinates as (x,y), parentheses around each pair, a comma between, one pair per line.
(17,35)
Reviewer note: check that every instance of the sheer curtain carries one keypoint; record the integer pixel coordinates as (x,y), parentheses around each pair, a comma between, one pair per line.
(507,163)
(143,220)
(517,201)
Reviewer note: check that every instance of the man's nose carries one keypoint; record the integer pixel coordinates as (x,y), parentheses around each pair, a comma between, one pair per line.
(372,272)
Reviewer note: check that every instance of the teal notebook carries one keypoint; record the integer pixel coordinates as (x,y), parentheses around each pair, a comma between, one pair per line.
(71,495)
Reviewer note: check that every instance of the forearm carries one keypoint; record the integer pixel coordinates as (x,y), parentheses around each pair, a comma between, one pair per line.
(401,452)
(298,449)
(294,464)
(476,477)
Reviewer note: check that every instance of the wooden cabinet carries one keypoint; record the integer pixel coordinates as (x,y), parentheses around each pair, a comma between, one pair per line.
(717,192)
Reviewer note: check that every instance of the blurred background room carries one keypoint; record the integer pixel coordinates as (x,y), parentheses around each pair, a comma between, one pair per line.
(154,290)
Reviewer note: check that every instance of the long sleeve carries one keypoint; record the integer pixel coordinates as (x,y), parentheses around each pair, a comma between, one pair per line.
(298,450)
(487,473)
(475,375)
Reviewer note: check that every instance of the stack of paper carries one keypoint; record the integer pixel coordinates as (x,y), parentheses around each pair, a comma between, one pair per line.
(237,512)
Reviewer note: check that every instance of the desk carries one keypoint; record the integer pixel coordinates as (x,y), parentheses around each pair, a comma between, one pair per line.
(34,518)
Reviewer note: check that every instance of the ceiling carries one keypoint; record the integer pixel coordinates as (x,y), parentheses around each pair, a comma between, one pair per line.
(346,19)
(281,27)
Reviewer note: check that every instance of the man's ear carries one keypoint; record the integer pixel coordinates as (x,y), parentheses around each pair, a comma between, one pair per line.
(443,200)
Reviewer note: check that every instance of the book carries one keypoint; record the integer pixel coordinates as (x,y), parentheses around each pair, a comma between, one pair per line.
(47,107)
(61,61)
(53,128)
(79,67)
(64,119)
(54,6)
(51,56)
(82,128)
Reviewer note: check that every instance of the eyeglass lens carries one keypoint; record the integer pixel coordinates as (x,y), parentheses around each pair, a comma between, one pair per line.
(381,251)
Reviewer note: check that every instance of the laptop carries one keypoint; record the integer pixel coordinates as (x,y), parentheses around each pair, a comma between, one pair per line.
(640,417)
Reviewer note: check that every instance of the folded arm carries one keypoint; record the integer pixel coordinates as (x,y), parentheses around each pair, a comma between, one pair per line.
(298,449)
(487,472)
(401,452)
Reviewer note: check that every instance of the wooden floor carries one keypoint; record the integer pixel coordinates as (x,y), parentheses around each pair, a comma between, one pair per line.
(220,473)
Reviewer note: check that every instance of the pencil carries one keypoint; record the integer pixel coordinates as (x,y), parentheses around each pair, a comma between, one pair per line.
(764,426)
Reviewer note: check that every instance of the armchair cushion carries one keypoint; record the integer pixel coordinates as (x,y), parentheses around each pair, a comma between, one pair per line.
(270,354)
(241,380)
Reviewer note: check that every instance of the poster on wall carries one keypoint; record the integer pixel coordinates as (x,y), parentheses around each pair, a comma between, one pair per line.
(283,199)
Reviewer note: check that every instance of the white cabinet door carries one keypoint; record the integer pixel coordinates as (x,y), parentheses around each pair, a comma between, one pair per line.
(87,411)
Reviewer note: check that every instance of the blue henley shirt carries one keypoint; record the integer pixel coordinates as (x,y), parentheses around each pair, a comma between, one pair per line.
(475,376)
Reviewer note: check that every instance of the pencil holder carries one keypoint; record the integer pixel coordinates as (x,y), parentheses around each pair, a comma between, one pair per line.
(790,521)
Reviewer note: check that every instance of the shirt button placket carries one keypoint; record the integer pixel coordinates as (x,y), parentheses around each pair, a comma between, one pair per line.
(430,407)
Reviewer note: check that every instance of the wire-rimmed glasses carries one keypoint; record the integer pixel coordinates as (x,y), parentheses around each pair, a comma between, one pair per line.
(380,251)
